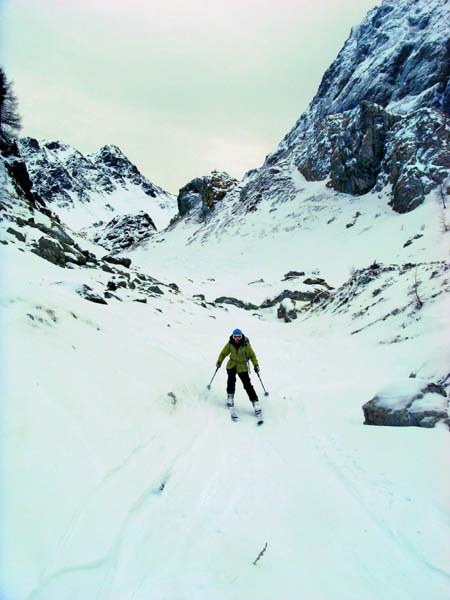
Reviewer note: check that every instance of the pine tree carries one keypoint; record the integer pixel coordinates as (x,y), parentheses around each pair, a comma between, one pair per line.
(10,123)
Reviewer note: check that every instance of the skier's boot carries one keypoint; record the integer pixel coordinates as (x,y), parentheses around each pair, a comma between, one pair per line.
(230,404)
(258,411)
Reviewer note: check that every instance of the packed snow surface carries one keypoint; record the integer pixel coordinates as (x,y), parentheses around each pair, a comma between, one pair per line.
(116,490)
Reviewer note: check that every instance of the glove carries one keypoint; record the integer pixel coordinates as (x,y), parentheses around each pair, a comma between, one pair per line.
(218,364)
(257,369)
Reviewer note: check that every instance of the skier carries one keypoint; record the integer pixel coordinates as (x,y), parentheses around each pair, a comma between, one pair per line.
(240,351)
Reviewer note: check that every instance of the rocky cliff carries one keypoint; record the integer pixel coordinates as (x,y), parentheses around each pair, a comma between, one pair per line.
(380,116)
(62,175)
(203,193)
(103,195)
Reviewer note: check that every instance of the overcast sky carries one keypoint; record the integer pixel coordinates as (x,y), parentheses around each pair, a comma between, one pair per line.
(182,87)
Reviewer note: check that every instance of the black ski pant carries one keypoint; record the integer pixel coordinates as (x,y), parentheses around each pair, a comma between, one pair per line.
(245,378)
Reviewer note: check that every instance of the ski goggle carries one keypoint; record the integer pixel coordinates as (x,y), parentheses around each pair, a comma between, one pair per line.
(237,336)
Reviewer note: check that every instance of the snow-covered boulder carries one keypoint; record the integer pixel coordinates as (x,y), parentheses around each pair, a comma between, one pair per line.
(408,402)
(287,310)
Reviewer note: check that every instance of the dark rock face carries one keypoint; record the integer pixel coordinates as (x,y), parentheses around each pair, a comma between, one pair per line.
(371,148)
(293,275)
(55,180)
(51,250)
(87,293)
(351,151)
(423,407)
(122,232)
(235,302)
(20,176)
(292,295)
(111,160)
(116,260)
(60,253)
(16,234)
(60,173)
(417,158)
(204,192)
(287,311)
(382,103)
(398,58)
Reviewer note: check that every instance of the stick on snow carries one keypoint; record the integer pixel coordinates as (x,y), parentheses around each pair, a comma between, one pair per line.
(260,554)
(266,393)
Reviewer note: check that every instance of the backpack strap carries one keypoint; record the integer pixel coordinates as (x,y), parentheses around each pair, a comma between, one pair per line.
(247,342)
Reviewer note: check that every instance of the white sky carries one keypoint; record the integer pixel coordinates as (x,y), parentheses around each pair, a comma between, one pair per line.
(181,87)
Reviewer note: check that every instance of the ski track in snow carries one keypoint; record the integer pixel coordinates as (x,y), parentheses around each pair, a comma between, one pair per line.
(138,504)
(184,510)
(357,482)
(117,493)
(264,459)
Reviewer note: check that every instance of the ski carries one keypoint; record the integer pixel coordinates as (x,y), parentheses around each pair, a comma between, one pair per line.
(233,414)
(258,415)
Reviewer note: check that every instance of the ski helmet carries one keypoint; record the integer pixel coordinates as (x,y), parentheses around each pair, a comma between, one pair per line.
(237,332)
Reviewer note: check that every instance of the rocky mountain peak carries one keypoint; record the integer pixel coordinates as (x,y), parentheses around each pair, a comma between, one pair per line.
(398,58)
(109,155)
(63,176)
(379,118)
(103,195)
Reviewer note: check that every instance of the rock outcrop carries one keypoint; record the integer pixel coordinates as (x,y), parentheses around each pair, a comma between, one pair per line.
(380,116)
(62,175)
(371,148)
(122,232)
(287,310)
(408,403)
(204,193)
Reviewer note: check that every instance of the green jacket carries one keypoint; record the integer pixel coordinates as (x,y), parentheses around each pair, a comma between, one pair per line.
(239,355)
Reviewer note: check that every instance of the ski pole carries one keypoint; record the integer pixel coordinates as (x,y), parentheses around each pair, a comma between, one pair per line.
(266,393)
(209,384)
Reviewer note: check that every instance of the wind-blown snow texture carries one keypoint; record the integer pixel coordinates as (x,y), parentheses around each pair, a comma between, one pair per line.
(124,478)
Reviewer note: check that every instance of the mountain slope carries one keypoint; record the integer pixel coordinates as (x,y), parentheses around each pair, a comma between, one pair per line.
(87,192)
(117,489)
(397,58)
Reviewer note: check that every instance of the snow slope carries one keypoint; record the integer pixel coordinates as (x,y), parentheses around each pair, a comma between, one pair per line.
(115,491)
(316,230)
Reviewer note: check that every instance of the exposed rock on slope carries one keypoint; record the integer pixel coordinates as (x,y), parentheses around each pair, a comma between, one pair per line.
(28,224)
(398,58)
(32,224)
(370,148)
(413,402)
(381,293)
(88,191)
(203,193)
(62,175)
(379,116)
(122,232)
(111,161)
